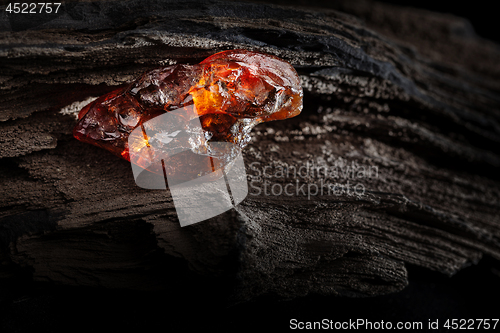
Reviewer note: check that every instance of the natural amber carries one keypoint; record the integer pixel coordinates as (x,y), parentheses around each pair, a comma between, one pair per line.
(230,92)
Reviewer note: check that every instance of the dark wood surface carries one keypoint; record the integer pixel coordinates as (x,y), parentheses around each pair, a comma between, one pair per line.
(411,94)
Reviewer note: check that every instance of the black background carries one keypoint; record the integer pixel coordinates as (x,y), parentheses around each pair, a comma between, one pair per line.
(472,293)
(482,14)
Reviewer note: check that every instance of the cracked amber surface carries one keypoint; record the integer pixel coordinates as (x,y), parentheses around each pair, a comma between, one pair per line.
(229,92)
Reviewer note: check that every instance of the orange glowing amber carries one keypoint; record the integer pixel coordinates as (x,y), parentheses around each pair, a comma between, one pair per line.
(231,91)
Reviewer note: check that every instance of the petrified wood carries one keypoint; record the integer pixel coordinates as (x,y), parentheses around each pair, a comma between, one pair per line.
(416,118)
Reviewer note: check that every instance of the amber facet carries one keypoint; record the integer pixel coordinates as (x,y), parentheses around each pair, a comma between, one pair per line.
(230,92)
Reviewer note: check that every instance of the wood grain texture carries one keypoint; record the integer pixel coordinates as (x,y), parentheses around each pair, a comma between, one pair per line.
(412,109)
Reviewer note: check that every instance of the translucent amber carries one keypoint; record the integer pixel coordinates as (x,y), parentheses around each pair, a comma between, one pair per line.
(230,92)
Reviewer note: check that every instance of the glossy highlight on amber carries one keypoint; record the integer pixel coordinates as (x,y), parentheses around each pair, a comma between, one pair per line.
(230,92)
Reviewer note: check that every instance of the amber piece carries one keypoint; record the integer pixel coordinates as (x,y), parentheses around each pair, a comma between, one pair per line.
(230,92)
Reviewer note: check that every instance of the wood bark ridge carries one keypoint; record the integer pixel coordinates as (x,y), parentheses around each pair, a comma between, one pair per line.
(403,104)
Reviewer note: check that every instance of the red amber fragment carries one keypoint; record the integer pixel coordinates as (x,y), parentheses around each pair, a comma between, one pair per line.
(231,92)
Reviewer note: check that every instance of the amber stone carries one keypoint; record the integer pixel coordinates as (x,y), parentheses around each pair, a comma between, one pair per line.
(229,92)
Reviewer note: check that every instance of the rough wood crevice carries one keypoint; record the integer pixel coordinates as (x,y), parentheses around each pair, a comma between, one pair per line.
(421,114)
